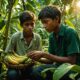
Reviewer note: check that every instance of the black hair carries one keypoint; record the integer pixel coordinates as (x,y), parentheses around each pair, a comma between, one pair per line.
(50,12)
(26,16)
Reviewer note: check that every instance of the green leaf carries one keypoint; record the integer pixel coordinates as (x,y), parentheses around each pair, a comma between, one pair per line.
(1,50)
(2,74)
(43,73)
(66,1)
(47,2)
(2,23)
(69,23)
(61,71)
(73,75)
(30,7)
(76,68)
(16,2)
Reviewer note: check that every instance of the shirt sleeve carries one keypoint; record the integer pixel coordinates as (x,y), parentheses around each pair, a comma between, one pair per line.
(74,43)
(10,45)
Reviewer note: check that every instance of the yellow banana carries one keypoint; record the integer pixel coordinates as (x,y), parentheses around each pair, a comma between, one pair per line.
(11,60)
(19,56)
(14,58)
(19,59)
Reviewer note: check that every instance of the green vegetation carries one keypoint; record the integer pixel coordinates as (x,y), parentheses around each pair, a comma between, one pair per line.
(9,24)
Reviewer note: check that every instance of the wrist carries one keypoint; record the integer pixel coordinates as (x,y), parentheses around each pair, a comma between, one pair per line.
(44,54)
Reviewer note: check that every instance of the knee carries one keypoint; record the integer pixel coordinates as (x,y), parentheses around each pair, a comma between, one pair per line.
(12,74)
(36,71)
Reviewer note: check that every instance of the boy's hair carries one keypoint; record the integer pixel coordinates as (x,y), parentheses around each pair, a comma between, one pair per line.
(50,12)
(26,16)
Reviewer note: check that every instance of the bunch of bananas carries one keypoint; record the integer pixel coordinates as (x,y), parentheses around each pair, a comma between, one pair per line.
(15,59)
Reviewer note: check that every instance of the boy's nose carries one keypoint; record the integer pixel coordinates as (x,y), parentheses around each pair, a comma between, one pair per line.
(44,25)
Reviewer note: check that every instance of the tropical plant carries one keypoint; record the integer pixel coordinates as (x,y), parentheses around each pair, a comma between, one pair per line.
(9,23)
(60,71)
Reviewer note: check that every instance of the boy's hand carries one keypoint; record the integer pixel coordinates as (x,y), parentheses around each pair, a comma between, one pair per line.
(35,55)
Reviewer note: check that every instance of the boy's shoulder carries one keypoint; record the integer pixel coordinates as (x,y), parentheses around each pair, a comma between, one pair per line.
(16,35)
(36,35)
(68,29)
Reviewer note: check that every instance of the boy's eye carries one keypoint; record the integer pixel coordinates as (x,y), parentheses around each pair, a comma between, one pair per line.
(45,21)
(29,24)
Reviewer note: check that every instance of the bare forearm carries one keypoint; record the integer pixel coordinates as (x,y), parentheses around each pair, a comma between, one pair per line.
(55,58)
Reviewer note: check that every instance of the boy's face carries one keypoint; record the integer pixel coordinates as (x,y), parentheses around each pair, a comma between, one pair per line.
(28,26)
(50,24)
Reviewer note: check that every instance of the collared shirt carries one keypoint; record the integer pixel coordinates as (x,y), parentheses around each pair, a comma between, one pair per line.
(67,43)
(18,43)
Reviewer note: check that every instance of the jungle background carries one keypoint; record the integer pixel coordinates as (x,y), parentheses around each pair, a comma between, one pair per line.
(9,23)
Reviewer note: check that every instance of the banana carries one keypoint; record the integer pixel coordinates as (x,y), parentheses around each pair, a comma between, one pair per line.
(19,56)
(11,60)
(14,58)
(19,59)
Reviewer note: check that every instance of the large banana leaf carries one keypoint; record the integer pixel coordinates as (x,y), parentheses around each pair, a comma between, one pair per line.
(30,7)
(63,69)
(69,23)
(47,2)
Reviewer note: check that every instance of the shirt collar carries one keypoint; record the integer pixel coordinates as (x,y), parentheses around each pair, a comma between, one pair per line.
(22,37)
(62,29)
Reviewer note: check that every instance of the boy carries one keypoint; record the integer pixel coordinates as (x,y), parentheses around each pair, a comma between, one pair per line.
(64,43)
(23,42)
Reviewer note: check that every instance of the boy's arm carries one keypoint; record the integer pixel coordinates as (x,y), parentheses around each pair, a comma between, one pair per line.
(68,59)
(50,58)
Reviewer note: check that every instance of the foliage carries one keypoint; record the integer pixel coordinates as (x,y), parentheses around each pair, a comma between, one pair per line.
(63,69)
(70,17)
(43,33)
(35,6)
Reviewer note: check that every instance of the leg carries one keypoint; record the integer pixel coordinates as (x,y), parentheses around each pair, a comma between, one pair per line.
(13,74)
(26,73)
(37,72)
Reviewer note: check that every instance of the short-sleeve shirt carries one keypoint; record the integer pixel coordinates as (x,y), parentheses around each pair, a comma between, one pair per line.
(67,43)
(18,43)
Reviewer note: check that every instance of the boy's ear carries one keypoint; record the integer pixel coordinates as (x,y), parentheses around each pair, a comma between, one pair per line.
(57,18)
